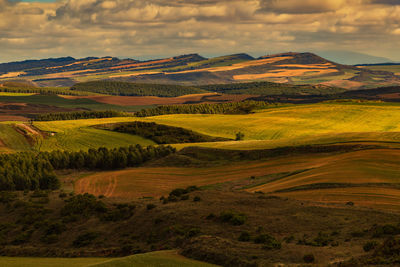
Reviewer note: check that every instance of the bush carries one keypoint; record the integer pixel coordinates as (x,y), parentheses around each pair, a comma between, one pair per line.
(387,229)
(244,237)
(83,205)
(150,206)
(196,199)
(85,239)
(122,212)
(268,241)
(370,245)
(233,218)
(309,258)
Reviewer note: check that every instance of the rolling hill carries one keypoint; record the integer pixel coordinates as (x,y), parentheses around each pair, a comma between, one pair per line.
(193,69)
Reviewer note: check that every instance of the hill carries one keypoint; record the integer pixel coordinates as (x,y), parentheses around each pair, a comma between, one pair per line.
(193,69)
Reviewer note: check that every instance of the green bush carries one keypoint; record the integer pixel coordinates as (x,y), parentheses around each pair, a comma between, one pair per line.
(83,205)
(233,218)
(268,241)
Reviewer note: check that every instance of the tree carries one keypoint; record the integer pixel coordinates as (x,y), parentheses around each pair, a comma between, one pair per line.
(239,136)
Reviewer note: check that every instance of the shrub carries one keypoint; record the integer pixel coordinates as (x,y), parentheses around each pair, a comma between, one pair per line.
(309,258)
(83,205)
(85,239)
(370,245)
(22,238)
(244,237)
(150,206)
(122,212)
(196,199)
(184,197)
(233,217)
(268,241)
(387,229)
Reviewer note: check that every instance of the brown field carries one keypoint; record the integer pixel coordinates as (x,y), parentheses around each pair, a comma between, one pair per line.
(344,84)
(237,65)
(373,197)
(284,73)
(153,62)
(367,170)
(135,74)
(314,66)
(155,100)
(18,111)
(80,62)
(12,118)
(11,74)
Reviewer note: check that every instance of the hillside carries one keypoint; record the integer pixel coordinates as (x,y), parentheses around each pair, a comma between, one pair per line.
(193,69)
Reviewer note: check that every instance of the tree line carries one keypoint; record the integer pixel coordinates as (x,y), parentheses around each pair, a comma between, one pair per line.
(42,90)
(270,88)
(30,171)
(77,115)
(245,107)
(162,134)
(135,89)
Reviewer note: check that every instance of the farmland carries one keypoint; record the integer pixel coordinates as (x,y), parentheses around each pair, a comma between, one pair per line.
(152,259)
(301,170)
(292,122)
(350,176)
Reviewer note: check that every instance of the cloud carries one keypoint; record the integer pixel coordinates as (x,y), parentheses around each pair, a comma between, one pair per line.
(301,7)
(155,28)
(386,2)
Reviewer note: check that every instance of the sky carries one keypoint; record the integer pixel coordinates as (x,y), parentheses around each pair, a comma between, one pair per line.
(144,29)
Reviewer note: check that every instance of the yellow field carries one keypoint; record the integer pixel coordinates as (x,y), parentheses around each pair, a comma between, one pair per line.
(294,125)
(292,122)
(285,73)
(77,134)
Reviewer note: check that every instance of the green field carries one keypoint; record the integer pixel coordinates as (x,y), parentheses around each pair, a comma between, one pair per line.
(15,94)
(294,125)
(10,139)
(154,259)
(300,121)
(77,134)
(159,258)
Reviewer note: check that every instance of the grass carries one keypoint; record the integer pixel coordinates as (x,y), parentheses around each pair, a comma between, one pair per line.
(76,135)
(292,122)
(11,140)
(15,94)
(49,262)
(168,258)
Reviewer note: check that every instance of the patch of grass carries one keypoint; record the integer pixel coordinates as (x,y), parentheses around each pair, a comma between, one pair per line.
(160,258)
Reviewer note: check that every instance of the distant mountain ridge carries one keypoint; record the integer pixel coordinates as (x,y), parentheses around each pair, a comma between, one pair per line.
(194,69)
